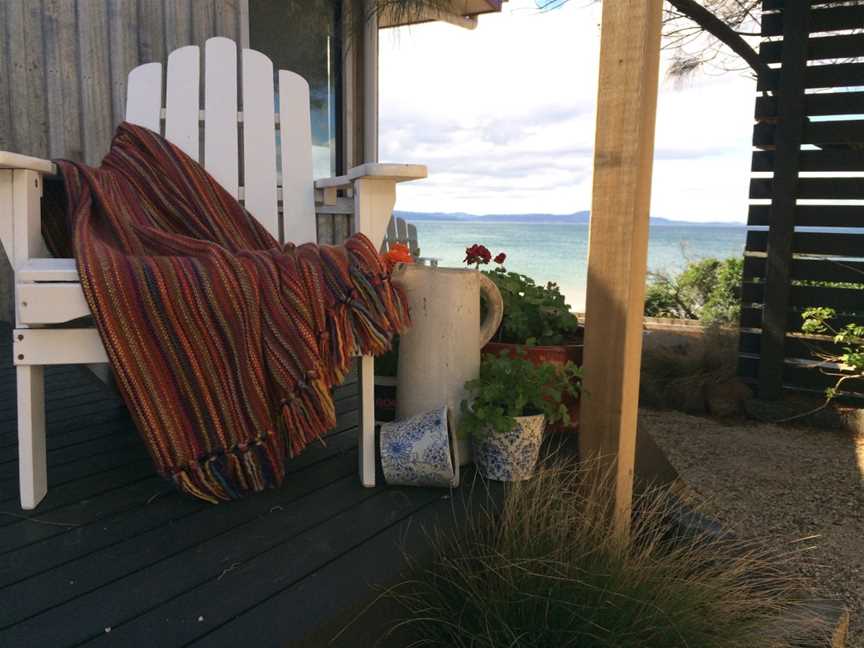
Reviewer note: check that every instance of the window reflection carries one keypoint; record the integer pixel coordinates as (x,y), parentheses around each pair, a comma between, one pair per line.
(299,35)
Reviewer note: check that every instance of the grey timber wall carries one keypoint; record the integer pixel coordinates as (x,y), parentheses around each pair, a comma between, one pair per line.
(63,68)
(63,64)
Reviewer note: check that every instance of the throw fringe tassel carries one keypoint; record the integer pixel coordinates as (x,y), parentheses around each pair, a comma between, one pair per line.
(231,475)
(370,308)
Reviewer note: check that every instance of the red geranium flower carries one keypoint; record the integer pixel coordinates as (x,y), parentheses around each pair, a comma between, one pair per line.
(500,258)
(477,254)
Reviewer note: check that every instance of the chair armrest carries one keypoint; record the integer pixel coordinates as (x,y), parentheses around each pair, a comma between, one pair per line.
(394,172)
(17,161)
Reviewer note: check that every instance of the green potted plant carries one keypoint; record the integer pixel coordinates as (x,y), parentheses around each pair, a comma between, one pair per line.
(537,320)
(509,405)
(536,317)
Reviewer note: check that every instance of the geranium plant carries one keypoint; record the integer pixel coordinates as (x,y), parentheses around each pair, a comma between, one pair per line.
(510,386)
(398,253)
(533,313)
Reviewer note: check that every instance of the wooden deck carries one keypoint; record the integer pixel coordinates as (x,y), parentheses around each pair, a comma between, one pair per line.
(114,556)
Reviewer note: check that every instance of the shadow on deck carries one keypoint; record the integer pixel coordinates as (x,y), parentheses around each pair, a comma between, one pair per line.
(115,556)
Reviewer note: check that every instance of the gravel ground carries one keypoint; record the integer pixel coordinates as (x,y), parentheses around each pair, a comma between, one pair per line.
(783,484)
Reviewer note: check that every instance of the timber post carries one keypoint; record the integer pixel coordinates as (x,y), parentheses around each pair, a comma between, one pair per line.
(618,240)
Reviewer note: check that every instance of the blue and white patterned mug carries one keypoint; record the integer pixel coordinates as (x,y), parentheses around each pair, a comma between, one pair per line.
(419,451)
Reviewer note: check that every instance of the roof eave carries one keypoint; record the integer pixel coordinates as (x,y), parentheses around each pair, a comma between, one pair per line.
(463,14)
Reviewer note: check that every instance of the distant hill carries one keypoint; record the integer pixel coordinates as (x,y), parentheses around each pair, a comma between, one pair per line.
(576,218)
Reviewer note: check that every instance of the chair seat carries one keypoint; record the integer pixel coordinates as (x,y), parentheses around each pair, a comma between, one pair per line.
(48,291)
(36,270)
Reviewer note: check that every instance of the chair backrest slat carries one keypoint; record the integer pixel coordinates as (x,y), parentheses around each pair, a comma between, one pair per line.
(221,157)
(221,148)
(413,240)
(401,231)
(298,191)
(259,139)
(144,96)
(182,99)
(392,237)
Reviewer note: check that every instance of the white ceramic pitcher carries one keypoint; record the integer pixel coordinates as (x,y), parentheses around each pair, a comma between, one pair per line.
(441,350)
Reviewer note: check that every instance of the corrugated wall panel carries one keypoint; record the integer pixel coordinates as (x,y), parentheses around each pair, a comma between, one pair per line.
(62,85)
(63,67)
(25,73)
(63,64)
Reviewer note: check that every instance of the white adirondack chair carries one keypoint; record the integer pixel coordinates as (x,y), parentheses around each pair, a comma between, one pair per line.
(401,231)
(284,200)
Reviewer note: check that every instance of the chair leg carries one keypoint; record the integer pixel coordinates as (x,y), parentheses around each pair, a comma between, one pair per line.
(32,463)
(367,424)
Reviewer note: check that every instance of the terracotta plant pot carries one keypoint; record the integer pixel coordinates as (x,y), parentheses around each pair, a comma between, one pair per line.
(385,399)
(511,456)
(556,354)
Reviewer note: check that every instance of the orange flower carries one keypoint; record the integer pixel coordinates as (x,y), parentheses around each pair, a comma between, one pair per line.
(398,253)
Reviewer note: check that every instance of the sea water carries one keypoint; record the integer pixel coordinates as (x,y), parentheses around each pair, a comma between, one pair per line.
(559,252)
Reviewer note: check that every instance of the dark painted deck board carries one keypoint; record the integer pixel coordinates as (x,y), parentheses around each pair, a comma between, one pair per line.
(93,463)
(66,406)
(23,532)
(74,429)
(70,544)
(71,453)
(124,599)
(114,545)
(126,577)
(59,399)
(132,496)
(290,561)
(88,487)
(364,568)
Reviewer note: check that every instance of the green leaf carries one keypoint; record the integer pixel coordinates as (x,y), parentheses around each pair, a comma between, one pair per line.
(508,387)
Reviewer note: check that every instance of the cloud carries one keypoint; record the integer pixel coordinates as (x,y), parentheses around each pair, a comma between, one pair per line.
(504,118)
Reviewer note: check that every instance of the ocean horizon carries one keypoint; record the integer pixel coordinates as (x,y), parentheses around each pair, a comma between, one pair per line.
(558,252)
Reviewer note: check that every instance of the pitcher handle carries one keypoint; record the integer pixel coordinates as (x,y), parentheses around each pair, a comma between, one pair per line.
(495,311)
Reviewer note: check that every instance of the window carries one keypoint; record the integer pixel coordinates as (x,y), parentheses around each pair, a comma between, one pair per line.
(301,36)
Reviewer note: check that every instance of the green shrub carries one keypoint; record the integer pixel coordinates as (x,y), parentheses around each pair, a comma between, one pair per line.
(708,290)
(533,313)
(547,571)
(849,363)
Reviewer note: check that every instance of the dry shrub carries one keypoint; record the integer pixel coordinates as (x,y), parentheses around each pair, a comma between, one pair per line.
(546,571)
(674,376)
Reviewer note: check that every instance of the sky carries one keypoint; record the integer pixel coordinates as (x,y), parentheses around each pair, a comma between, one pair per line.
(503,116)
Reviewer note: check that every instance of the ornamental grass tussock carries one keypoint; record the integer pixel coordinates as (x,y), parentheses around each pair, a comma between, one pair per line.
(545,570)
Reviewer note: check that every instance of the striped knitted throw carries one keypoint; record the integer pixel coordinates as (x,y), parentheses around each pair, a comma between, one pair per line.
(224,344)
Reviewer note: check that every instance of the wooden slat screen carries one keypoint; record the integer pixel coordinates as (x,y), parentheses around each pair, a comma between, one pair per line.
(806,218)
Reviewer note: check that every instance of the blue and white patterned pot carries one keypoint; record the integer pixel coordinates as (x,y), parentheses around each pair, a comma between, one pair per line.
(513,455)
(419,451)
